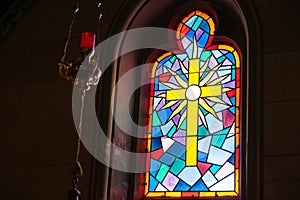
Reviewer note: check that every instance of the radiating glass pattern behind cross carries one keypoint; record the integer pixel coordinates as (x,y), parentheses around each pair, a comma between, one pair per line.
(194,116)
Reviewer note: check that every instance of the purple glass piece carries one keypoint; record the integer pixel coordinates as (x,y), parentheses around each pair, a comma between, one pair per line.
(175,66)
(230,84)
(224,51)
(173,80)
(199,32)
(179,136)
(175,105)
(226,99)
(176,119)
(227,62)
(199,121)
(185,42)
(212,62)
(161,104)
(159,71)
(211,104)
(170,181)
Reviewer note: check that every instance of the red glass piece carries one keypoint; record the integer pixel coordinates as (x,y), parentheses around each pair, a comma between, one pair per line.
(164,77)
(203,167)
(88,40)
(228,118)
(157,154)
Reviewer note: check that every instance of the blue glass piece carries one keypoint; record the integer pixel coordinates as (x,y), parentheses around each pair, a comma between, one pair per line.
(231,159)
(232,110)
(182,186)
(199,187)
(177,149)
(152,184)
(156,83)
(232,99)
(172,131)
(168,64)
(164,115)
(191,21)
(190,35)
(204,25)
(164,60)
(229,144)
(203,40)
(167,159)
(202,157)
(154,167)
(166,128)
(189,51)
(162,87)
(230,57)
(155,144)
(181,56)
(156,132)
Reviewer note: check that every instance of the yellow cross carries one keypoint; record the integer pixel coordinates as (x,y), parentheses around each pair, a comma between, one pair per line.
(193,94)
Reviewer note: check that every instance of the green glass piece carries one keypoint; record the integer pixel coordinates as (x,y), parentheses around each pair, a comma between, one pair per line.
(221,59)
(197,23)
(233,74)
(205,55)
(177,166)
(172,131)
(155,119)
(202,132)
(162,172)
(173,59)
(218,140)
(214,168)
(183,125)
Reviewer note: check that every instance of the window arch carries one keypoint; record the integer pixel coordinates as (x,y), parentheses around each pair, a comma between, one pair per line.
(232,35)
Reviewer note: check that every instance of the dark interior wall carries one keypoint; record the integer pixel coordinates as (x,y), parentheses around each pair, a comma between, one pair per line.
(38,138)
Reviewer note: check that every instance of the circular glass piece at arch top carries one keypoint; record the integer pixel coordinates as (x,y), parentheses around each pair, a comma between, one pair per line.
(194,126)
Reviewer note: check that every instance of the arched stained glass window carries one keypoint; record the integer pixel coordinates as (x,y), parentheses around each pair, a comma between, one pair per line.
(195,116)
(202,111)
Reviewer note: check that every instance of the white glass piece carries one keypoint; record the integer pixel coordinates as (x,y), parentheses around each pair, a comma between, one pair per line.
(220,107)
(193,92)
(156,102)
(203,144)
(160,188)
(229,144)
(166,128)
(190,175)
(227,169)
(217,156)
(166,143)
(232,129)
(214,125)
(217,53)
(226,184)
(209,179)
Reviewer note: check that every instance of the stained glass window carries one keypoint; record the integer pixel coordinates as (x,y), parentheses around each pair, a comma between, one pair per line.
(194,126)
